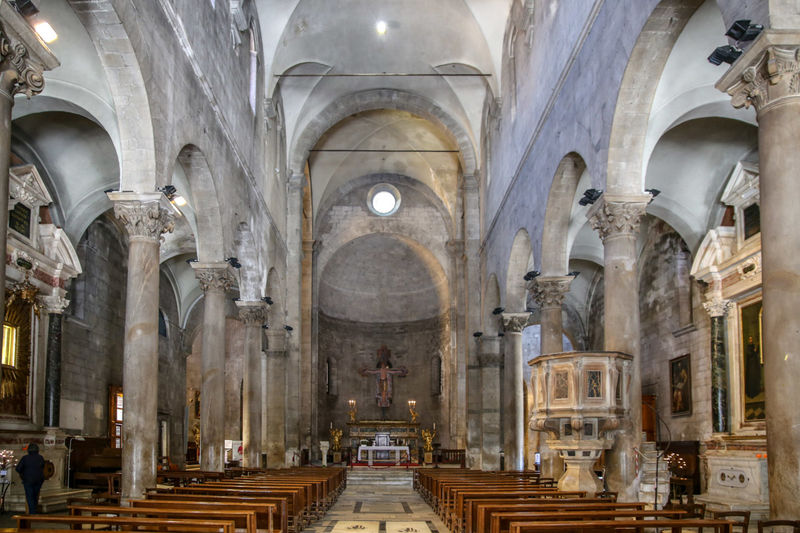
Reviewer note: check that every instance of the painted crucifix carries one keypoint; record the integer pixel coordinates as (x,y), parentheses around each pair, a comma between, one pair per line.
(384,374)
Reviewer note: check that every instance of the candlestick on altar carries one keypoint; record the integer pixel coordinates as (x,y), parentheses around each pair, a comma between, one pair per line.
(353,411)
(412,404)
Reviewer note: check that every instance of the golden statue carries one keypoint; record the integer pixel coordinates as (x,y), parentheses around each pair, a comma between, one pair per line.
(412,409)
(353,410)
(336,439)
(427,437)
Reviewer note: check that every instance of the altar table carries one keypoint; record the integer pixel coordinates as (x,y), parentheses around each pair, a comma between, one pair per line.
(372,449)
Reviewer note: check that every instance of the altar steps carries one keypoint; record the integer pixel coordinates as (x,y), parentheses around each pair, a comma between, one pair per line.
(380,476)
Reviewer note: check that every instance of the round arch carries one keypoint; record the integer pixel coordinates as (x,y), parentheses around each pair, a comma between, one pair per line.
(520,261)
(557,215)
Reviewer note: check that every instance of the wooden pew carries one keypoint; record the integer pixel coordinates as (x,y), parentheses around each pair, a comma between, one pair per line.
(455,512)
(129,522)
(264,512)
(596,526)
(478,519)
(242,519)
(501,521)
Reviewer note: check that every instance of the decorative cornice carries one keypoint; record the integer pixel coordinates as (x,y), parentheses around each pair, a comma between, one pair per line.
(617,215)
(53,303)
(143,215)
(515,322)
(213,276)
(767,74)
(549,291)
(23,56)
(252,313)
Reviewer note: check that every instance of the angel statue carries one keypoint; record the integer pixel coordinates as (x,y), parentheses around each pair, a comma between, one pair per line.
(427,436)
(336,439)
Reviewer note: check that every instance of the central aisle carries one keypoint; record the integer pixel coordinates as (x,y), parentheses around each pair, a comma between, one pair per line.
(379,501)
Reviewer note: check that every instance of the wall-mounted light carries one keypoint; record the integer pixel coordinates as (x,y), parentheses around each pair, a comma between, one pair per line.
(267,300)
(234,262)
(477,334)
(381,27)
(530,275)
(45,31)
(288,328)
(590,196)
(742,30)
(172,195)
(265,326)
(26,8)
(498,310)
(191,260)
(574,274)
(724,54)
(653,192)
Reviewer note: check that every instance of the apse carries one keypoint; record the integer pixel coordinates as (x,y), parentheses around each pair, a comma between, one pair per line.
(382,290)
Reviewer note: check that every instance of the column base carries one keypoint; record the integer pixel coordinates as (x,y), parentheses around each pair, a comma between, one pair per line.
(579,474)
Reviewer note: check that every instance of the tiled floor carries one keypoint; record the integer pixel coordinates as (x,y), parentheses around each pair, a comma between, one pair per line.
(384,504)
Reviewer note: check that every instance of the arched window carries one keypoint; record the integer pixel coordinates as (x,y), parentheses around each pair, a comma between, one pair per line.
(253,69)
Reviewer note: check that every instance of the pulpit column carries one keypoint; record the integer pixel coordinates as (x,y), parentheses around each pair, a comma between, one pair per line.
(23,60)
(549,293)
(215,279)
(253,315)
(616,218)
(145,217)
(766,77)
(514,392)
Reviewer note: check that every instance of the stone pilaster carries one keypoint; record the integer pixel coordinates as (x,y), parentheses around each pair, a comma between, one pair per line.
(253,315)
(146,216)
(23,60)
(215,280)
(468,385)
(717,308)
(459,404)
(616,218)
(490,361)
(54,306)
(767,77)
(514,391)
(549,293)
(276,398)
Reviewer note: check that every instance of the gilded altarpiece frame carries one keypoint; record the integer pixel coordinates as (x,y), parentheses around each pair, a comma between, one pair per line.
(16,384)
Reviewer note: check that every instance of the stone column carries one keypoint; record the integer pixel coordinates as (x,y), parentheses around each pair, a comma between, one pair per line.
(549,292)
(253,314)
(215,279)
(276,398)
(490,359)
(766,77)
(145,217)
(514,392)
(456,372)
(718,308)
(616,218)
(468,356)
(294,266)
(54,305)
(23,60)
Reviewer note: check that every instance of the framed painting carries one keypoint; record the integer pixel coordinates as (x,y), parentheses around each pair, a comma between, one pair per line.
(680,385)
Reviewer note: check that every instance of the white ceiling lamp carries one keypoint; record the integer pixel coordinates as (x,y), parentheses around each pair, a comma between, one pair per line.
(380,27)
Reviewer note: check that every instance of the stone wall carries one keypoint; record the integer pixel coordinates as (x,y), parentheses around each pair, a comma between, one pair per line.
(171,373)
(94,329)
(350,346)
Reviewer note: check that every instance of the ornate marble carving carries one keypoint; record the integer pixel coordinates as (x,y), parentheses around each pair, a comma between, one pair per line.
(53,303)
(217,278)
(616,217)
(144,220)
(773,76)
(717,305)
(26,73)
(252,313)
(515,322)
(550,291)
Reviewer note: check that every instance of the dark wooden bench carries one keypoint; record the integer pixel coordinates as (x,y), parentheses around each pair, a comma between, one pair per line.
(478,520)
(242,519)
(597,526)
(129,522)
(264,512)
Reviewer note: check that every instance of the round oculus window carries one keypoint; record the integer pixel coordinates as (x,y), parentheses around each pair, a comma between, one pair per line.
(383,199)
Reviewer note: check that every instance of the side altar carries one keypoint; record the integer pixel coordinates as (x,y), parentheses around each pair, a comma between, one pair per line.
(400,433)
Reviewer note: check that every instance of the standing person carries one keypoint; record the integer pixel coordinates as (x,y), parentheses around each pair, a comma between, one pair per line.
(31,470)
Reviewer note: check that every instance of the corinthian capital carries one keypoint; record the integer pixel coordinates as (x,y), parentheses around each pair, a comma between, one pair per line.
(213,276)
(252,313)
(767,74)
(515,322)
(549,291)
(717,306)
(144,215)
(23,57)
(52,303)
(617,215)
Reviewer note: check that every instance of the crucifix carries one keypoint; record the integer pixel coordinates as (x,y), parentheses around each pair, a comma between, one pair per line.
(383,379)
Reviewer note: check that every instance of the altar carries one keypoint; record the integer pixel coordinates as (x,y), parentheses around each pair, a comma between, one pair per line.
(400,434)
(399,452)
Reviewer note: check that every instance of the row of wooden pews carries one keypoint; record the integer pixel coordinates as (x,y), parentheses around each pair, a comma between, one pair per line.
(251,501)
(471,501)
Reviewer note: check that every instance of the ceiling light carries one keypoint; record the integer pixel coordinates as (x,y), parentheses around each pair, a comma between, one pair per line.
(742,30)
(727,54)
(179,200)
(45,31)
(380,27)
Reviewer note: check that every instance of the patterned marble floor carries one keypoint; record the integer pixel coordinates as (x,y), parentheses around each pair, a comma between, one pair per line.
(383,502)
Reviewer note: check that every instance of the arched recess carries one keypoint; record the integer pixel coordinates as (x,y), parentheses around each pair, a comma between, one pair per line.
(636,93)
(560,204)
(204,202)
(491,301)
(381,99)
(126,83)
(520,261)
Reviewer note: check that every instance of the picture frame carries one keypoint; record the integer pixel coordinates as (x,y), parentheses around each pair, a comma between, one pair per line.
(680,385)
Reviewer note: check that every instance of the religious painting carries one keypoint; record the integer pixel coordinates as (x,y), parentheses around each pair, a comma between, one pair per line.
(594,384)
(752,362)
(561,385)
(680,384)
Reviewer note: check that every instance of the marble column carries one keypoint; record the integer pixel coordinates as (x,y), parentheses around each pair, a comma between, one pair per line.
(549,293)
(766,77)
(490,360)
(294,266)
(456,372)
(468,356)
(215,279)
(145,217)
(514,391)
(54,305)
(276,398)
(253,314)
(23,60)
(717,308)
(616,218)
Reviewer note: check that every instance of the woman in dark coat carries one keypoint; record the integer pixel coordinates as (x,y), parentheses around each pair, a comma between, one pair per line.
(31,470)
